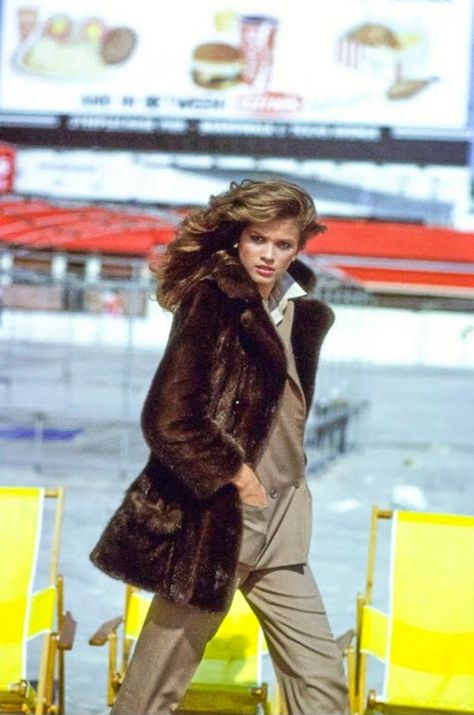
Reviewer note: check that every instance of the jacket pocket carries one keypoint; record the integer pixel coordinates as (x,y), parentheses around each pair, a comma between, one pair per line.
(254,535)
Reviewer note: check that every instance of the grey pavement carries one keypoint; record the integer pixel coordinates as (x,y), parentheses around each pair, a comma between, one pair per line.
(413,448)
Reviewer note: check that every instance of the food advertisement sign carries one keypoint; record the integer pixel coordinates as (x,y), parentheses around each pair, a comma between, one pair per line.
(402,63)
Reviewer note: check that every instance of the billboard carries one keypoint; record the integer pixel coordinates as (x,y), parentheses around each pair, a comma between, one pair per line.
(369,71)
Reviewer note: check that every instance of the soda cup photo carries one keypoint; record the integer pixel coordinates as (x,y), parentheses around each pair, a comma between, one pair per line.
(257,39)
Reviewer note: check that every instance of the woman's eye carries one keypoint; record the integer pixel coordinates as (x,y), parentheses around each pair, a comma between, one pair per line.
(285,245)
(256,239)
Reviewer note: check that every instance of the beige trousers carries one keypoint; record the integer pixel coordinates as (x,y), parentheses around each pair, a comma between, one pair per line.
(288,605)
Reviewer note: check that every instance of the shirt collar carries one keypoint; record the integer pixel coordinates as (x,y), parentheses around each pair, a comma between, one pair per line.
(286,289)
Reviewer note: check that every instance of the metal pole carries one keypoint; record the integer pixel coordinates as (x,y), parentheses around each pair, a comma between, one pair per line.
(127,383)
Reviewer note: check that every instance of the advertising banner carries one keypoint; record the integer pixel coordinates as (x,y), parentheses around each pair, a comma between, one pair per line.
(382,63)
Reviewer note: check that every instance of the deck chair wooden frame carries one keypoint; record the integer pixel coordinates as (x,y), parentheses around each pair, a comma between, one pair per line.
(233,686)
(426,640)
(24,614)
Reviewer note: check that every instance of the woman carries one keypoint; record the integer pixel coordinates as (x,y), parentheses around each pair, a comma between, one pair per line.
(223,502)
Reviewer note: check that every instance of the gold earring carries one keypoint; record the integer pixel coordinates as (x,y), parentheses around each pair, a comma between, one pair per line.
(235,245)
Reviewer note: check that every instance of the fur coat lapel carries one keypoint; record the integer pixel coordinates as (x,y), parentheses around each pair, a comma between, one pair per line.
(312,320)
(234,283)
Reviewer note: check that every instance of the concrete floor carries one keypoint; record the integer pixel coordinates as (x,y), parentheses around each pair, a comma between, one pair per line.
(414,448)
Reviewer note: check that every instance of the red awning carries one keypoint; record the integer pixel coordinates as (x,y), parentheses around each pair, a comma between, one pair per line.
(39,224)
(399,257)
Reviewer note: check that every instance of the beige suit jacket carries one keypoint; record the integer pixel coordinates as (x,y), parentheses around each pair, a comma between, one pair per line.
(279,534)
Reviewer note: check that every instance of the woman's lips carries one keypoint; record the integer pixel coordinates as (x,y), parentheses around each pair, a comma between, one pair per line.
(264,271)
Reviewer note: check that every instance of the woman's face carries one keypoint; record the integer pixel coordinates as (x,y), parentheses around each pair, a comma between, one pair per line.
(266,250)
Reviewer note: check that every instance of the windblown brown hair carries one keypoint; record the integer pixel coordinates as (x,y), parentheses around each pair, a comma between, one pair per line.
(211,232)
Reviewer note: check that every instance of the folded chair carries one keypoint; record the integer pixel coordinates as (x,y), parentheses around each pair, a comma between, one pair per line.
(235,675)
(426,640)
(25,614)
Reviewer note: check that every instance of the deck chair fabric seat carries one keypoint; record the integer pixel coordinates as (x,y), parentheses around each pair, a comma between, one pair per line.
(234,676)
(426,640)
(25,614)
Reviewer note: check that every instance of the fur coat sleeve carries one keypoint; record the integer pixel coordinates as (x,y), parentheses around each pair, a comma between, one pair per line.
(176,418)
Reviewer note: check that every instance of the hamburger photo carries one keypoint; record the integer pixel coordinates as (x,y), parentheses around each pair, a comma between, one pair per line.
(217,65)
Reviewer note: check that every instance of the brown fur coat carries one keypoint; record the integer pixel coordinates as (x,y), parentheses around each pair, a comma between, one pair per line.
(210,407)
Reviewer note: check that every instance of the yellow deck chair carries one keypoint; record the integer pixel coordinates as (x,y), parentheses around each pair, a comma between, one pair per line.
(426,641)
(235,674)
(24,614)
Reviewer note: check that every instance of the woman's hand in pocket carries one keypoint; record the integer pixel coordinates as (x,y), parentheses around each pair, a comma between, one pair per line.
(250,488)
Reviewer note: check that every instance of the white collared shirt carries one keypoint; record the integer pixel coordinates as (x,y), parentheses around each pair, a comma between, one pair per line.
(285,289)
